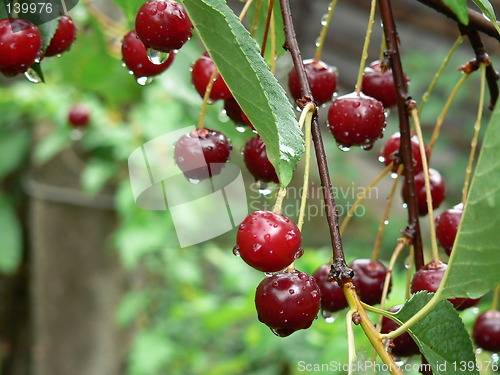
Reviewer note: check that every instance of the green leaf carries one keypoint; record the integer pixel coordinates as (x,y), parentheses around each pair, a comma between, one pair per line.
(440,335)
(14,145)
(247,75)
(39,76)
(475,261)
(96,174)
(130,8)
(488,11)
(51,145)
(459,7)
(11,237)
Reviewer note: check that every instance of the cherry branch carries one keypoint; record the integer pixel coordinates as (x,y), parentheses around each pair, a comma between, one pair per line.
(405,151)
(341,272)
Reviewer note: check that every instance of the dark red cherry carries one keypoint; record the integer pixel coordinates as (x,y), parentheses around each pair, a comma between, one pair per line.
(429,278)
(486,331)
(369,278)
(163,25)
(268,241)
(390,153)
(404,345)
(447,226)
(235,113)
(256,160)
(63,38)
(287,302)
(378,83)
(20,44)
(200,76)
(356,120)
(332,296)
(322,80)
(79,115)
(438,191)
(136,59)
(202,153)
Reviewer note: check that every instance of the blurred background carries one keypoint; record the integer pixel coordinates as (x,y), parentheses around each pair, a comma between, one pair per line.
(92,285)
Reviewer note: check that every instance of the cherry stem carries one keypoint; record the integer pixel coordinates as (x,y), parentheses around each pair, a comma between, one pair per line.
(206,98)
(477,128)
(255,22)
(438,74)
(272,63)
(382,225)
(442,115)
(266,29)
(351,344)
(409,273)
(364,54)
(342,272)
(402,242)
(428,192)
(405,151)
(362,196)
(245,9)
(324,30)
(306,118)
(279,199)
(496,297)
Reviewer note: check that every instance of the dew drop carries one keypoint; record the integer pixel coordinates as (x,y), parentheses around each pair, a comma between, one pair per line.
(303,276)
(356,104)
(124,65)
(32,76)
(394,175)
(268,274)
(256,246)
(156,57)
(298,254)
(405,205)
(328,316)
(264,189)
(343,148)
(381,159)
(236,250)
(275,283)
(143,81)
(386,222)
(316,43)
(324,20)
(291,291)
(194,180)
(241,128)
(367,147)
(267,237)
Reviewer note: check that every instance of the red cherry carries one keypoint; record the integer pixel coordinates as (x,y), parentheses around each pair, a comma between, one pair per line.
(63,38)
(287,302)
(235,113)
(356,120)
(20,44)
(379,84)
(202,153)
(369,278)
(268,241)
(79,116)
(200,75)
(486,331)
(256,160)
(447,226)
(136,59)
(438,191)
(429,278)
(332,296)
(390,151)
(163,25)
(404,345)
(322,80)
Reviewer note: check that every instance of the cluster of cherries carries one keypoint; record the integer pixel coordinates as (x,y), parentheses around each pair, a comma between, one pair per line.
(21,43)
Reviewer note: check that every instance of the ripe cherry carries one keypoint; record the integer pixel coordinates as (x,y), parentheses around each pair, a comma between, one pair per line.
(378,83)
(390,151)
(136,59)
(79,115)
(322,80)
(404,345)
(438,191)
(20,44)
(268,241)
(287,302)
(356,120)
(235,113)
(200,75)
(256,160)
(63,38)
(429,277)
(163,25)
(202,153)
(369,278)
(447,226)
(486,331)
(332,296)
